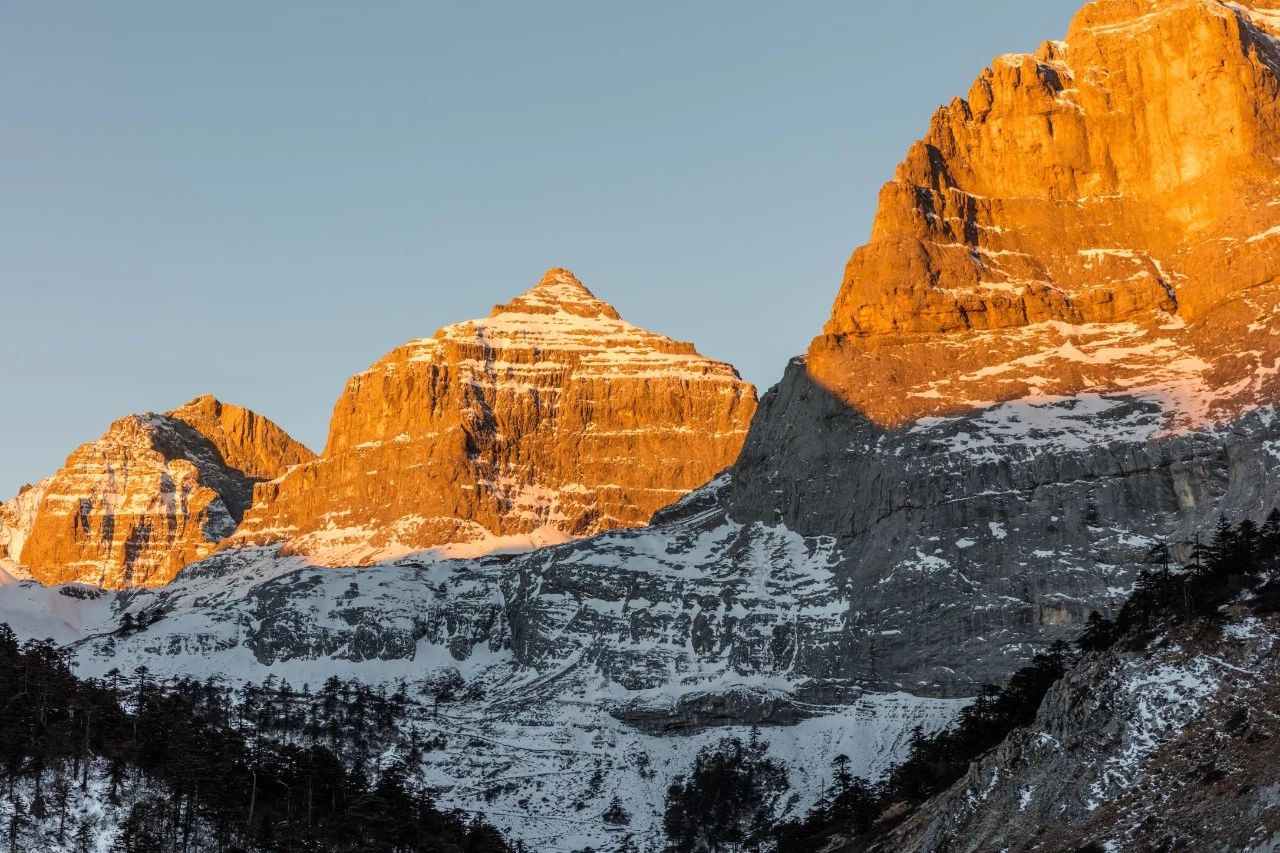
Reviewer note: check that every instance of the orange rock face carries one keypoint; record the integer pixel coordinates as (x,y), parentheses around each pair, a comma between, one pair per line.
(151,495)
(1103,215)
(551,418)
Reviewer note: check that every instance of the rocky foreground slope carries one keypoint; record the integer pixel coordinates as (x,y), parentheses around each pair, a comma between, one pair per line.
(1170,747)
(551,418)
(154,493)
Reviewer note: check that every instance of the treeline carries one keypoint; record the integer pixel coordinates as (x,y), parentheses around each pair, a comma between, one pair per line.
(1234,561)
(934,762)
(190,770)
(728,800)
(1239,562)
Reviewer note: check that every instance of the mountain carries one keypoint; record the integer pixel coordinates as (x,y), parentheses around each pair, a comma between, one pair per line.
(1100,216)
(1057,354)
(988,441)
(546,683)
(551,418)
(153,494)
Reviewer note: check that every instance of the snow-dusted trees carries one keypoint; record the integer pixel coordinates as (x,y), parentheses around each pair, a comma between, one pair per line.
(729,800)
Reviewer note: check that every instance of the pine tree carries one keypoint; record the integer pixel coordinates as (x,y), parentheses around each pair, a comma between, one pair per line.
(1221,548)
(1270,533)
(1097,634)
(616,815)
(732,791)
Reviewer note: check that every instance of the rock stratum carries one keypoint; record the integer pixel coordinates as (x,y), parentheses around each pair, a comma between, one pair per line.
(551,418)
(154,493)
(1101,215)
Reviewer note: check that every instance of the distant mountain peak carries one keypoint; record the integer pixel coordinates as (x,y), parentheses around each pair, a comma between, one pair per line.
(558,291)
(551,418)
(151,494)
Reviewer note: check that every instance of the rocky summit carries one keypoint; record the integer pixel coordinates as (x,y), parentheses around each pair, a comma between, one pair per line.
(1099,216)
(1057,355)
(551,418)
(153,494)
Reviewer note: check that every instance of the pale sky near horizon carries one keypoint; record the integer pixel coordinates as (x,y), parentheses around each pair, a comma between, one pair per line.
(258,200)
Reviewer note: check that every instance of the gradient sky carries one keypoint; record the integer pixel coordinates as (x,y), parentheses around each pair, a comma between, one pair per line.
(257,200)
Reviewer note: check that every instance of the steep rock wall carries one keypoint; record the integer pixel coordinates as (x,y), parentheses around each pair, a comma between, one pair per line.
(551,418)
(154,493)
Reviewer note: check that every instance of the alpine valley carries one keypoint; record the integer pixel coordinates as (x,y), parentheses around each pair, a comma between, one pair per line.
(576,555)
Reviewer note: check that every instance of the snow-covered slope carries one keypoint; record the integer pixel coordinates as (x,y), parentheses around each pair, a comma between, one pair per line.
(1171,747)
(582,672)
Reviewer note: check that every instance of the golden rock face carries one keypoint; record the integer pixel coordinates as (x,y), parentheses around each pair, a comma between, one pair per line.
(154,493)
(551,418)
(1103,215)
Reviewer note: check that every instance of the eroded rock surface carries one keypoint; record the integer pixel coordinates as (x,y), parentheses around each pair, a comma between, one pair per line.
(551,418)
(152,494)
(1102,215)
(1169,748)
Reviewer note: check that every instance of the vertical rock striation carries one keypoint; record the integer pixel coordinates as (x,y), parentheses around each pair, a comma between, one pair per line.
(1102,215)
(551,418)
(154,493)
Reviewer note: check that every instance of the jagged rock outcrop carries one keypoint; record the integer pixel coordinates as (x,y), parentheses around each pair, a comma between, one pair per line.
(551,418)
(1103,215)
(152,494)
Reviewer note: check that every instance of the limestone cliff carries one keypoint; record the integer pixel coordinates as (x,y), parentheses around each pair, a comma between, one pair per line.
(1102,215)
(151,495)
(551,418)
(1059,349)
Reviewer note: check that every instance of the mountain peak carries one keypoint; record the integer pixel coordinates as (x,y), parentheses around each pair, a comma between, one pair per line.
(202,403)
(1140,234)
(152,494)
(557,276)
(551,418)
(559,291)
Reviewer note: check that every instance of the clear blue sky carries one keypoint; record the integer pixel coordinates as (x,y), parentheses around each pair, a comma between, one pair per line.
(257,200)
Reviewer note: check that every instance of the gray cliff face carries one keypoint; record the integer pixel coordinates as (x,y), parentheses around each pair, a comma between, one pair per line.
(963,543)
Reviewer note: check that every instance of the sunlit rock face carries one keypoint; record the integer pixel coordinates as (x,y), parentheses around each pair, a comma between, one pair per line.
(1059,353)
(551,418)
(1102,215)
(151,495)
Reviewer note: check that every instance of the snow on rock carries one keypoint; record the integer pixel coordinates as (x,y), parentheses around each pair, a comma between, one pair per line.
(585,670)
(549,419)
(1169,746)
(153,493)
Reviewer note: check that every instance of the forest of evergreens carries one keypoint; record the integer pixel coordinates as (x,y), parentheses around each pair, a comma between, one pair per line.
(195,767)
